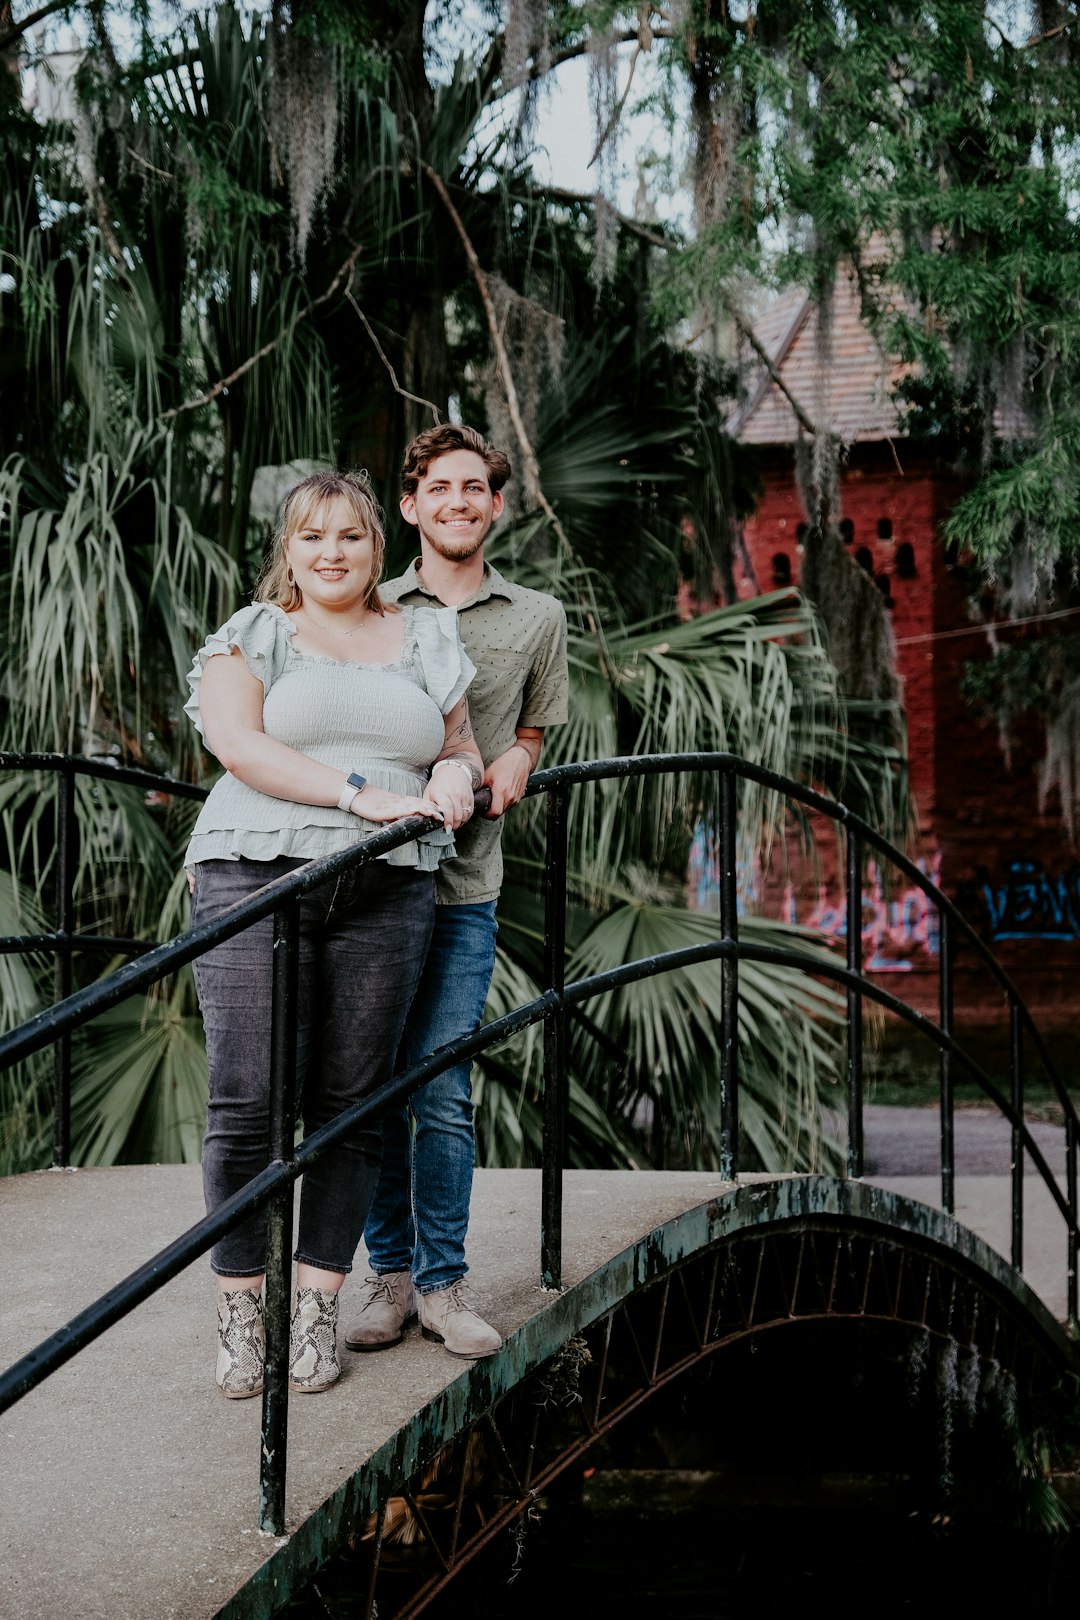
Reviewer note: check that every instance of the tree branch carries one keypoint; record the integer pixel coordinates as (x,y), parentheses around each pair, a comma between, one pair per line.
(571,53)
(1036,39)
(502,360)
(268,348)
(742,326)
(560,194)
(616,111)
(404,392)
(745,330)
(14,32)
(1040,39)
(162,174)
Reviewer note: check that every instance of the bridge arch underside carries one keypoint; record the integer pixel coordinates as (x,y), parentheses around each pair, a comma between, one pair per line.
(765,1258)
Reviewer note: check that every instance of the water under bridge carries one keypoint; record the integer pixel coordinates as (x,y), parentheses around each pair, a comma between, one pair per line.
(128,1481)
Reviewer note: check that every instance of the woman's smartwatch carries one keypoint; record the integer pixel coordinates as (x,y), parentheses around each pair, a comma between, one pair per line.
(351,789)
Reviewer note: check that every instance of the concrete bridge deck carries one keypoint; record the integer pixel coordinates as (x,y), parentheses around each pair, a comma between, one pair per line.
(129,1487)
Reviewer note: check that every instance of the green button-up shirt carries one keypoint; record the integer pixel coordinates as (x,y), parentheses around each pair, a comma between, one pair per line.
(517,640)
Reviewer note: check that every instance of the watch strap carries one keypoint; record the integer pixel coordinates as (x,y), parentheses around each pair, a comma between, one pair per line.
(350,790)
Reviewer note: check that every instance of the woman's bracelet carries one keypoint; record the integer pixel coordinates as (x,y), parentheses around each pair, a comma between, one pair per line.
(461,765)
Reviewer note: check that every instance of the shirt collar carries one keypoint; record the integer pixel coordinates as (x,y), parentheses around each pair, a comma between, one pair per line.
(492,584)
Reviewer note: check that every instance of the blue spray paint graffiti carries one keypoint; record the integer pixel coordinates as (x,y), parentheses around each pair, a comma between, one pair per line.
(1032,905)
(704,874)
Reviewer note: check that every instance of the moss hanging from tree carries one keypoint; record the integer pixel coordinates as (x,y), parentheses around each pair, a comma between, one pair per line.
(302,96)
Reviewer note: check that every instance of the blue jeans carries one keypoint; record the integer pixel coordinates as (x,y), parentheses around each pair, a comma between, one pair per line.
(363,939)
(420,1212)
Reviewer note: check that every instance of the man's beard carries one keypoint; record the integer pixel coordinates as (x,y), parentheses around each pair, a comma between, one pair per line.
(456,551)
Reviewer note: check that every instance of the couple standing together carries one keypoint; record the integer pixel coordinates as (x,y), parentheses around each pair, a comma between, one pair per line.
(336,704)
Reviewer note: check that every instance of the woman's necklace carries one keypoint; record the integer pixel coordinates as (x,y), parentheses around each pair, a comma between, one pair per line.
(334,629)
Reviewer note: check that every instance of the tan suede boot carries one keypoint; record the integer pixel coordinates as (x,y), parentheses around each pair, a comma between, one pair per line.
(387,1304)
(449,1317)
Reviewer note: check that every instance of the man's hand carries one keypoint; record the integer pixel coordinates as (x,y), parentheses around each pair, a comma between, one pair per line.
(508,775)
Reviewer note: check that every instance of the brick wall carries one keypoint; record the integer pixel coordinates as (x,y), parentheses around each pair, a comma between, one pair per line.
(1007,863)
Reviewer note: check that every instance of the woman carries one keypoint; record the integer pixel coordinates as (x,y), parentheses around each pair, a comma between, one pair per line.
(327,708)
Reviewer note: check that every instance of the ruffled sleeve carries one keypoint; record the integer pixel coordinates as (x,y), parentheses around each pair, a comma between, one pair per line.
(446,667)
(262,633)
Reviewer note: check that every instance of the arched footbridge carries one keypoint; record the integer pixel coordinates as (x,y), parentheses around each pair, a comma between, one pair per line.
(131,1488)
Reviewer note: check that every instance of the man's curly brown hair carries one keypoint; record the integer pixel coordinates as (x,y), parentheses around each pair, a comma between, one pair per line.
(440,441)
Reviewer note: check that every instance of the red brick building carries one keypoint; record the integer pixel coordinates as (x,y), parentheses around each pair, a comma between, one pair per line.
(981,830)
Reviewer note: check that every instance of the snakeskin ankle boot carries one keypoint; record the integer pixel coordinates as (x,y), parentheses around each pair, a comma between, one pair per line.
(313,1361)
(241,1343)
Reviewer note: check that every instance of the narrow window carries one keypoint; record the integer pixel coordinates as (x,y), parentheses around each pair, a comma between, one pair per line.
(905,561)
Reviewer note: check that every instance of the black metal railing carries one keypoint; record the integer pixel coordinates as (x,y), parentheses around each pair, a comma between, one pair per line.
(63,942)
(273,1188)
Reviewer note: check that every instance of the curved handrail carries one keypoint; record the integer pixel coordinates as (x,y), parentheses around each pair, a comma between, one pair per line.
(658,764)
(105,769)
(280,898)
(540,782)
(159,960)
(53,1352)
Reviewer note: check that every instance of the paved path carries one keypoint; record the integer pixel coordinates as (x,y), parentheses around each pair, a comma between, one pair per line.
(129,1487)
(907,1142)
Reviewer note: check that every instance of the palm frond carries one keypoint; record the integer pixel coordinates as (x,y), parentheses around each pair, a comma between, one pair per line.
(669,1029)
(139,1087)
(25,1099)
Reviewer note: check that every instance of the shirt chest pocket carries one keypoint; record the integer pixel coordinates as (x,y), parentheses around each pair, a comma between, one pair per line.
(500,668)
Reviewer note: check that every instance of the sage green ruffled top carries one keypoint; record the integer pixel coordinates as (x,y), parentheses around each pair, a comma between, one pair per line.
(383,720)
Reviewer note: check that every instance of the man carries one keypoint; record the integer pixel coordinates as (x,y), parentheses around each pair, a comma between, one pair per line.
(452,483)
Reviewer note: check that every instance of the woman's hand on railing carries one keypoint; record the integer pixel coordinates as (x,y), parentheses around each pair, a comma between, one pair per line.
(452,790)
(377,804)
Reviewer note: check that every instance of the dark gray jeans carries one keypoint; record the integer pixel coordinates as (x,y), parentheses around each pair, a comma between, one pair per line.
(363,940)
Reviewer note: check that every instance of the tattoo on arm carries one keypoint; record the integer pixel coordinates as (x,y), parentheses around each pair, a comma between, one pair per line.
(462,733)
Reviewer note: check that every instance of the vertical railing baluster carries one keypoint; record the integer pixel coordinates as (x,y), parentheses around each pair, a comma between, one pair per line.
(67,855)
(279,1221)
(1017,1043)
(556,1083)
(1070,1187)
(729,983)
(948,1133)
(853,899)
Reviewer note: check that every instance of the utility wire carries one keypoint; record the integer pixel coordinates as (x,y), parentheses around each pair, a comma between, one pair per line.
(981,629)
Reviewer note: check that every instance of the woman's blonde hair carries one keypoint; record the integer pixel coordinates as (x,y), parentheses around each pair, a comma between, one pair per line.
(300,507)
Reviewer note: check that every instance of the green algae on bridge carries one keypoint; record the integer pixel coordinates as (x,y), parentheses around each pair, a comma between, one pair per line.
(130,1483)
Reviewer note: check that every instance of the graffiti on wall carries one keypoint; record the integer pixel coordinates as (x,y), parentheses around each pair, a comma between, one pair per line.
(704,874)
(1030,904)
(898,923)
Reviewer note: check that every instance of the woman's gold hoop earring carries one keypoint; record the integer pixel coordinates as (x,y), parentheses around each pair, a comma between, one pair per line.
(289,577)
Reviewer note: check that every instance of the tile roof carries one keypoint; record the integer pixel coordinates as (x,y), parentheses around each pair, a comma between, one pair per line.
(854,395)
